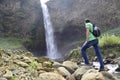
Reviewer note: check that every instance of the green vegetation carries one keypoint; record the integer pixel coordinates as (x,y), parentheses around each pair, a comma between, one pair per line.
(74,55)
(33,67)
(13,78)
(109,40)
(12,42)
(109,44)
(115,31)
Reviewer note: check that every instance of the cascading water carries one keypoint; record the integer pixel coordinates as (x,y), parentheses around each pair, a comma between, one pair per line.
(51,46)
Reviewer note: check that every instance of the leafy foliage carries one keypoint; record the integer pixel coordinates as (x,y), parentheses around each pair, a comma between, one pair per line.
(74,54)
(12,42)
(33,65)
(109,40)
(110,44)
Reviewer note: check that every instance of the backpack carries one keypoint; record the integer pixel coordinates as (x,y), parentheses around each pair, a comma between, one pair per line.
(96,31)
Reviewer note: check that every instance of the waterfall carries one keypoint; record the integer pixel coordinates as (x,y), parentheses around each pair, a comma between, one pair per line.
(52,51)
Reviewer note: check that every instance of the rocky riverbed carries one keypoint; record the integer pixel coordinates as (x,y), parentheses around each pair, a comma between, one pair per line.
(22,65)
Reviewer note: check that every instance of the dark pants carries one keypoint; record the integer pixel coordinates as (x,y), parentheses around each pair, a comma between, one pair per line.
(93,43)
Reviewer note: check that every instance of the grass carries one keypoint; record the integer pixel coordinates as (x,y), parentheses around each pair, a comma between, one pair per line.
(109,40)
(11,42)
(110,44)
(110,37)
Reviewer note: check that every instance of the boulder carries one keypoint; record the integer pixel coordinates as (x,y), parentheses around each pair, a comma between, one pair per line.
(3,79)
(71,77)
(50,76)
(64,72)
(27,59)
(71,66)
(118,69)
(57,64)
(23,64)
(109,76)
(80,71)
(47,64)
(39,66)
(92,74)
(8,74)
(116,60)
(110,59)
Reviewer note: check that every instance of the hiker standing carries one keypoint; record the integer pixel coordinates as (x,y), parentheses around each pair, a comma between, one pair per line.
(91,40)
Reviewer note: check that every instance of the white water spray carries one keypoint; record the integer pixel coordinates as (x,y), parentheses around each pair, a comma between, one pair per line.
(51,46)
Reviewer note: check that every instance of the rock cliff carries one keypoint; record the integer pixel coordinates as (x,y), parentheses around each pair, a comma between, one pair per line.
(68,17)
(23,18)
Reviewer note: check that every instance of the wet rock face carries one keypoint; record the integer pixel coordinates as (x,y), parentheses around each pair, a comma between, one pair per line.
(23,18)
(19,14)
(68,17)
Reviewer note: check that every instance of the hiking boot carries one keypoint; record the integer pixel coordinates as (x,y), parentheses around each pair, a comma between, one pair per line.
(105,69)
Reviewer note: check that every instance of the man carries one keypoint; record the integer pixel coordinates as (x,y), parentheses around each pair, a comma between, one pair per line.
(91,40)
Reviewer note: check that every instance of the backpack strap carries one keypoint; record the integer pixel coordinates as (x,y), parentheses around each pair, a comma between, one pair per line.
(93,28)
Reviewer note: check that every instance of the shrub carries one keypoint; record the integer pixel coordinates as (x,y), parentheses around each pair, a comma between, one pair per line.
(74,55)
(109,40)
(12,42)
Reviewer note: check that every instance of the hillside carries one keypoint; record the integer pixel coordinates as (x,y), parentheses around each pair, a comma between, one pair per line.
(24,19)
(68,18)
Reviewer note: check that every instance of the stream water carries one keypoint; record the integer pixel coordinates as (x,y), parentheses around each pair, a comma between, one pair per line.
(111,67)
